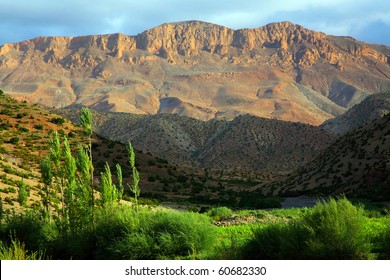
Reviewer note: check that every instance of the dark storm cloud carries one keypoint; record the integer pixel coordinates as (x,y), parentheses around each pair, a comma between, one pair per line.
(25,19)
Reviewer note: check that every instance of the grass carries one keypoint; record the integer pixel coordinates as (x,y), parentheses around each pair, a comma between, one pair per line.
(120,233)
(17,251)
(335,229)
(164,235)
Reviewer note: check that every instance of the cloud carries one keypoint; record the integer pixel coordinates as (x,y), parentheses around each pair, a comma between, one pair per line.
(24,19)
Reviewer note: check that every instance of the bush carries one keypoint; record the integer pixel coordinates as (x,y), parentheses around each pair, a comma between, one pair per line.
(220,213)
(266,243)
(4,126)
(6,112)
(123,233)
(337,231)
(277,241)
(57,120)
(331,230)
(23,129)
(21,115)
(30,229)
(14,140)
(38,127)
(17,251)
(127,234)
(385,241)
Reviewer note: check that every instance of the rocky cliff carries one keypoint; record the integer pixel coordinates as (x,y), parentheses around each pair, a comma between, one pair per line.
(281,70)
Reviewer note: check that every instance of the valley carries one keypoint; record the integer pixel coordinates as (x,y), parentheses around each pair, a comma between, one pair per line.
(229,128)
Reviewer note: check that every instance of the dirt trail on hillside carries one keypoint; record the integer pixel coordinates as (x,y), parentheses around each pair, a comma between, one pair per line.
(301,201)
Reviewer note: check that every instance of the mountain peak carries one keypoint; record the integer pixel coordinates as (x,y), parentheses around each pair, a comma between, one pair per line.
(281,70)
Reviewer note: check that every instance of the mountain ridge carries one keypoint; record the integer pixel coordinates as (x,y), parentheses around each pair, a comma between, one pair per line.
(246,142)
(274,71)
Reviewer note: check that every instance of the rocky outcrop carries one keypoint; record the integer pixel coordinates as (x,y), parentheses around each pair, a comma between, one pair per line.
(187,39)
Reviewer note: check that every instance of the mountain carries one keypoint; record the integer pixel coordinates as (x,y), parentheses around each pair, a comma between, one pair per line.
(244,143)
(357,163)
(371,108)
(197,168)
(24,141)
(202,70)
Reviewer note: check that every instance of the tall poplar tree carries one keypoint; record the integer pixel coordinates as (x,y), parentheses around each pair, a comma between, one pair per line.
(120,180)
(47,177)
(134,188)
(56,157)
(86,122)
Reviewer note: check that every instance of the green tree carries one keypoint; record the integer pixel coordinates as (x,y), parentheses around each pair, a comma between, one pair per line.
(56,158)
(120,180)
(86,122)
(69,172)
(1,93)
(134,188)
(47,177)
(23,194)
(82,200)
(108,190)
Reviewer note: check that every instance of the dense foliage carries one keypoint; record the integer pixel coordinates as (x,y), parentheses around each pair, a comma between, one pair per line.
(336,229)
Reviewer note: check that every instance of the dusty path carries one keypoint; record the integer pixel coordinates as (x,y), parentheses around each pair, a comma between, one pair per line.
(301,201)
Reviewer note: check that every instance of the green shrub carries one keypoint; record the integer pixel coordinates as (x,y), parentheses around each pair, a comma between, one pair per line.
(21,115)
(123,233)
(23,194)
(337,231)
(4,126)
(23,129)
(331,230)
(6,112)
(277,241)
(30,229)
(220,213)
(385,241)
(3,150)
(266,243)
(17,251)
(9,201)
(57,120)
(38,127)
(13,140)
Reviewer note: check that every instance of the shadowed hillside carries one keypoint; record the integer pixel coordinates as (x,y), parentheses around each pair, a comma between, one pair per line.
(247,142)
(373,107)
(357,163)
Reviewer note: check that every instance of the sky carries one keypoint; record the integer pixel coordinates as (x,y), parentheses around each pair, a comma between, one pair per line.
(365,20)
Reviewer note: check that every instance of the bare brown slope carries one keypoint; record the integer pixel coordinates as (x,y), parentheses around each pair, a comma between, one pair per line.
(281,71)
